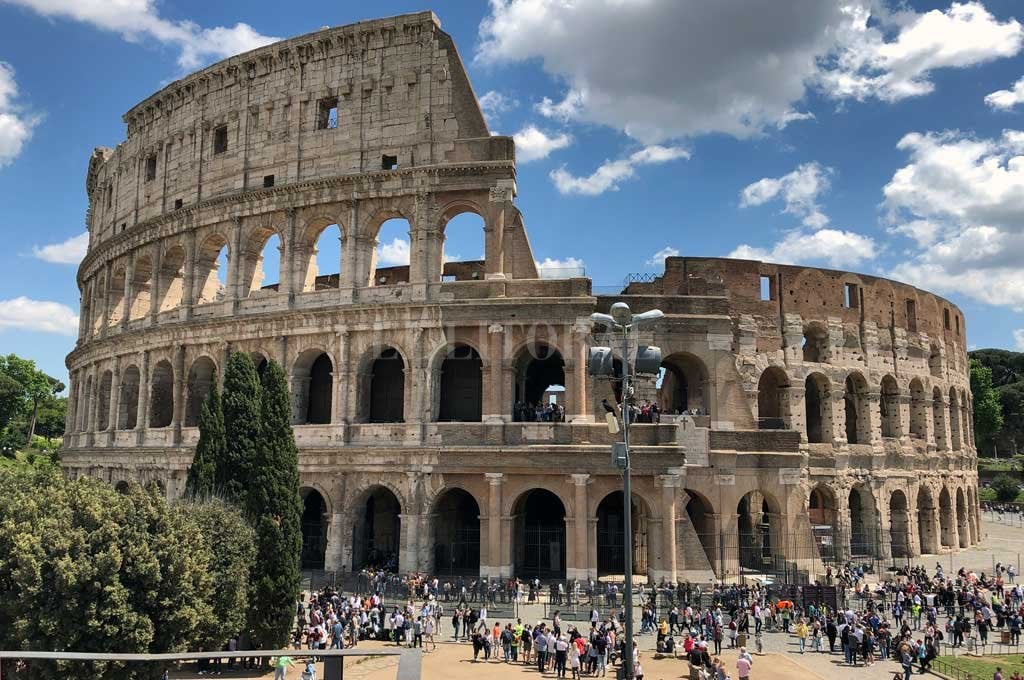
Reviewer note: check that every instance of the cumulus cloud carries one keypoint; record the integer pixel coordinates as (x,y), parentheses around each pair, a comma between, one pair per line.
(70,251)
(610,174)
(658,259)
(970,193)
(24,313)
(494,103)
(533,143)
(1018,339)
(799,190)
(394,254)
(139,20)
(16,126)
(739,67)
(551,268)
(834,247)
(1007,99)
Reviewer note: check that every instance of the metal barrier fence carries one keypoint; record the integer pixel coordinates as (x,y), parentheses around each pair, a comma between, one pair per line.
(949,671)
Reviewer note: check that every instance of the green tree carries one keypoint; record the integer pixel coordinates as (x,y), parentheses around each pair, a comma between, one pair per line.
(38,387)
(275,506)
(211,448)
(12,399)
(241,405)
(52,414)
(988,411)
(1006,488)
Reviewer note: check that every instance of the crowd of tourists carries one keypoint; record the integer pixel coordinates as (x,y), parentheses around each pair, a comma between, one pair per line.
(524,412)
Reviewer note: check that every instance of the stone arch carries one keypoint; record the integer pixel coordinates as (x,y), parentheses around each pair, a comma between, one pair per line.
(962,521)
(103,405)
(954,420)
(685,385)
(918,410)
(456,522)
(539,535)
(115,295)
(377,530)
(611,535)
(538,365)
(815,345)
(864,525)
(382,378)
(939,420)
(262,255)
(321,245)
(855,401)
(122,487)
(171,290)
(927,530)
(701,513)
(211,274)
(142,283)
(459,377)
(313,387)
(818,409)
(314,528)
(947,520)
(889,408)
(201,377)
(899,524)
(822,511)
(772,392)
(759,524)
(393,248)
(161,395)
(128,399)
(457,221)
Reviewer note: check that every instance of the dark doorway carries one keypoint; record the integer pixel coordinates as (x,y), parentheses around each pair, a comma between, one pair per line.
(461,397)
(537,368)
(611,536)
(457,534)
(387,388)
(377,532)
(539,520)
(314,531)
(320,389)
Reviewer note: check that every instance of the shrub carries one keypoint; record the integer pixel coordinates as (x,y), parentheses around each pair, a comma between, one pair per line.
(1006,488)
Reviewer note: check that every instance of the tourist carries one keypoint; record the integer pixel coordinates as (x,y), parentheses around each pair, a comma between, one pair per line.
(282,666)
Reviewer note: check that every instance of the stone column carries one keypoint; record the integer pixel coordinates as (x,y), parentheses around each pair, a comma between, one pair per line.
(236,262)
(333,558)
(794,408)
(287,260)
(838,405)
(114,404)
(105,319)
(580,402)
(142,411)
(72,412)
(870,423)
(94,402)
(672,496)
(189,274)
(178,410)
(225,355)
(496,410)
(494,567)
(129,291)
(155,284)
(339,400)
(580,567)
(417,406)
(494,233)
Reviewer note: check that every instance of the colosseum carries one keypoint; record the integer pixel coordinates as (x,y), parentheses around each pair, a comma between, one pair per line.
(808,416)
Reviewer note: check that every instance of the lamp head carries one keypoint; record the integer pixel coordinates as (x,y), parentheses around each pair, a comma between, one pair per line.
(602,319)
(620,312)
(651,315)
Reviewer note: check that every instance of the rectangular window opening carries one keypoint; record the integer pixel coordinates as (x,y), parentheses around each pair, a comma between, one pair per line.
(110,196)
(958,324)
(945,319)
(178,203)
(766,288)
(911,316)
(327,114)
(268,181)
(388,162)
(150,168)
(448,277)
(851,296)
(220,139)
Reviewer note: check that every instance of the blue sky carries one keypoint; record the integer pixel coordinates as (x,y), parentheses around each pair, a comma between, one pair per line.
(862,134)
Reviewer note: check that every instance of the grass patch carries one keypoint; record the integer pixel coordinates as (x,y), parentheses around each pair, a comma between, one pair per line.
(984,667)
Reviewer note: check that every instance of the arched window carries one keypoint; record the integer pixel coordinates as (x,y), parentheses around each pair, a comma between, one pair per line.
(946,520)
(323,268)
(954,420)
(314,529)
(918,410)
(128,402)
(815,345)
(391,257)
(463,257)
(261,266)
(313,389)
(758,531)
(611,535)
(103,411)
(539,369)
(377,532)
(927,531)
(889,407)
(899,524)
(863,521)
(962,522)
(939,420)
(538,520)
(115,297)
(200,380)
(701,515)
(461,388)
(161,395)
(456,534)
(855,398)
(142,281)
(84,424)
(211,270)
(818,409)
(771,389)
(821,510)
(684,386)
(387,387)
(172,279)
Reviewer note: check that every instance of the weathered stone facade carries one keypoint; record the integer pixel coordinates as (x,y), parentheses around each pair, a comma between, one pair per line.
(833,410)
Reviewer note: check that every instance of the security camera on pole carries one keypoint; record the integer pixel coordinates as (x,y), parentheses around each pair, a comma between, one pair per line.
(644,360)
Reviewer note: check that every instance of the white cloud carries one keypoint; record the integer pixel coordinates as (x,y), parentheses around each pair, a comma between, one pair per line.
(561,269)
(658,259)
(799,190)
(1018,339)
(832,246)
(970,194)
(611,173)
(494,103)
(891,55)
(738,67)
(533,143)
(37,315)
(394,254)
(70,251)
(139,20)
(1007,99)
(15,125)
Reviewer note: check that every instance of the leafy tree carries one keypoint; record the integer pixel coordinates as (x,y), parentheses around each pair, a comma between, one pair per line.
(988,411)
(12,399)
(38,387)
(52,414)
(241,404)
(275,506)
(212,447)
(1006,488)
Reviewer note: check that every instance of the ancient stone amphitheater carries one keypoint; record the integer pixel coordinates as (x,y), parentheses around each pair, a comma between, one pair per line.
(809,416)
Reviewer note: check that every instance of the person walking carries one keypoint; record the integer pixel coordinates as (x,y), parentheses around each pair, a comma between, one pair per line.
(282,666)
(801,634)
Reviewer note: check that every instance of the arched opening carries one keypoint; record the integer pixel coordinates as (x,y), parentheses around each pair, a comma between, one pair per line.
(863,522)
(128,400)
(899,524)
(462,253)
(939,420)
(461,386)
(855,401)
(935,361)
(115,297)
(260,362)
(200,380)
(211,270)
(378,531)
(172,279)
(757,532)
(821,510)
(314,529)
(889,407)
(261,272)
(611,536)
(962,523)
(538,369)
(122,487)
(818,409)
(103,406)
(927,533)
(918,410)
(815,344)
(313,388)
(946,519)
(685,385)
(387,387)
(142,282)
(457,534)
(323,268)
(702,518)
(390,262)
(161,395)
(954,420)
(771,396)
(539,546)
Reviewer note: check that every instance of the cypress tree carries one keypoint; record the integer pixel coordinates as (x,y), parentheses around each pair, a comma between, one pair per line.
(274,506)
(210,449)
(235,470)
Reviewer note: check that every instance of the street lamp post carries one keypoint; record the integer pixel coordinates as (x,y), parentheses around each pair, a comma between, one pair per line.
(621,318)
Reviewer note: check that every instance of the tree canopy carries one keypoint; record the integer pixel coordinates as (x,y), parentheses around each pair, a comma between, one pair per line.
(24,391)
(1007,380)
